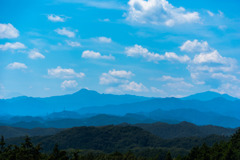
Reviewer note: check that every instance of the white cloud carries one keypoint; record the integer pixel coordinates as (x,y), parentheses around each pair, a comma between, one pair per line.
(104,40)
(8,31)
(195,46)
(64,73)
(73,44)
(169,78)
(16,65)
(211,57)
(55,18)
(69,84)
(121,73)
(34,54)
(14,46)
(225,77)
(133,86)
(65,32)
(159,12)
(96,55)
(115,77)
(139,51)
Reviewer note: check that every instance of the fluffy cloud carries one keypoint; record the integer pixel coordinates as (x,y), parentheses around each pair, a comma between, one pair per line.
(121,73)
(16,65)
(34,54)
(69,84)
(115,77)
(95,55)
(139,51)
(64,73)
(211,57)
(73,44)
(195,46)
(13,46)
(55,18)
(133,86)
(159,12)
(8,31)
(104,40)
(65,32)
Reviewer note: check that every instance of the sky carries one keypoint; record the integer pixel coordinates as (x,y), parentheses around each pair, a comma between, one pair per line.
(155,48)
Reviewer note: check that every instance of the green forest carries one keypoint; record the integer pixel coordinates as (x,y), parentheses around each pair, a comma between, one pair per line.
(27,150)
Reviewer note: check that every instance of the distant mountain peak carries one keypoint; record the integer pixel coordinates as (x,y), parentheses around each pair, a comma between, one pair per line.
(86,91)
(209,95)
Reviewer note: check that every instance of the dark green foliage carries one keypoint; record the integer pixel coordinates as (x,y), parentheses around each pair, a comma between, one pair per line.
(219,151)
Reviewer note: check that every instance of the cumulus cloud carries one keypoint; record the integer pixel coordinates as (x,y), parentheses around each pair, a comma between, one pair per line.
(8,31)
(115,77)
(62,73)
(69,84)
(55,18)
(133,86)
(35,54)
(139,51)
(104,40)
(159,12)
(211,57)
(96,55)
(73,44)
(65,32)
(13,46)
(16,65)
(195,46)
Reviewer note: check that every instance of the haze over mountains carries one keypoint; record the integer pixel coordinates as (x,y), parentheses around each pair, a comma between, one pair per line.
(87,107)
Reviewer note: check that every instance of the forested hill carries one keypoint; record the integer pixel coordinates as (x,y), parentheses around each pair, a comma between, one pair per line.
(114,138)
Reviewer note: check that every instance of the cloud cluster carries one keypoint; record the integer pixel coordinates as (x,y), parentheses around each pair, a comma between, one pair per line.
(69,84)
(62,73)
(16,65)
(65,32)
(115,77)
(95,55)
(119,82)
(8,31)
(139,51)
(13,46)
(195,46)
(159,12)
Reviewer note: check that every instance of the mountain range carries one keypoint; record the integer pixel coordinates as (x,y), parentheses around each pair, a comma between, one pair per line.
(79,109)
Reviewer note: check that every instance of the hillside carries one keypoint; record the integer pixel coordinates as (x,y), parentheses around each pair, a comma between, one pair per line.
(9,132)
(184,129)
(114,138)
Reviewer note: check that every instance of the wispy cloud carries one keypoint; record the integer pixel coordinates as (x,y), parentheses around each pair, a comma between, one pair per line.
(112,4)
(65,32)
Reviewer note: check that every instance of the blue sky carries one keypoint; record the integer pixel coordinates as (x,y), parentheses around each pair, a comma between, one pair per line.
(154,48)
